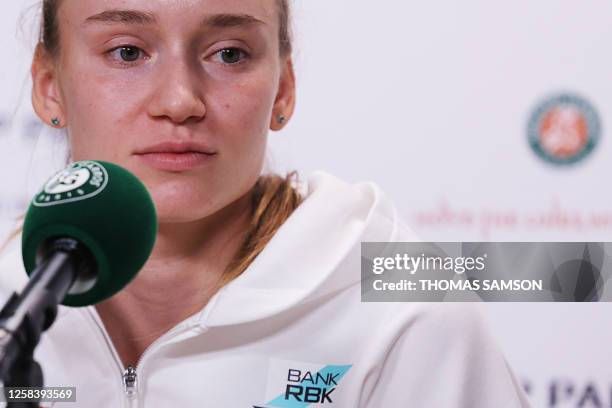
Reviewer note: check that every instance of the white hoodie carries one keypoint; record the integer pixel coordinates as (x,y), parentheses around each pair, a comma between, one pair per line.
(292,331)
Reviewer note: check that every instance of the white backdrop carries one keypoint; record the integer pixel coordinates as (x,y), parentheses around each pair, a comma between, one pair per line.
(431,100)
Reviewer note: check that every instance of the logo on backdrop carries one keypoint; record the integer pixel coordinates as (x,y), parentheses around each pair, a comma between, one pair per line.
(564,129)
(568,392)
(76,182)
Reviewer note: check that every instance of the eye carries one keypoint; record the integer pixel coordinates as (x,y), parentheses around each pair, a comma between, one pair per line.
(232,56)
(126,54)
(129,54)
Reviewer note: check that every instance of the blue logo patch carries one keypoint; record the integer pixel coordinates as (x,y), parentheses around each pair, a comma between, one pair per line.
(298,385)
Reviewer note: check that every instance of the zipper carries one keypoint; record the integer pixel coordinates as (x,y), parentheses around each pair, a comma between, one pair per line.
(130,381)
(129,375)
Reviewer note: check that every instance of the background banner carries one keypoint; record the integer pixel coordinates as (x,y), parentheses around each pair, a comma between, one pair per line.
(484,121)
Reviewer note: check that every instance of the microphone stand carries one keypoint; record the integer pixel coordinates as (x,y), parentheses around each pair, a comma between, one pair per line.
(26,316)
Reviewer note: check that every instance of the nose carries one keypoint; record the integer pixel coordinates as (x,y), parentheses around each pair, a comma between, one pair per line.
(177,96)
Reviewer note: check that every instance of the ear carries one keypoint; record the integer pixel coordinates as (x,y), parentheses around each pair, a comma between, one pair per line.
(46,98)
(284,104)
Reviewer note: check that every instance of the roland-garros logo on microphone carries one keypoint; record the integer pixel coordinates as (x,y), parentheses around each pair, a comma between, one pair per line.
(78,181)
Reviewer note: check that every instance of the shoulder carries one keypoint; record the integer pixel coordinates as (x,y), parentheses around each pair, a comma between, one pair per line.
(447,346)
(442,323)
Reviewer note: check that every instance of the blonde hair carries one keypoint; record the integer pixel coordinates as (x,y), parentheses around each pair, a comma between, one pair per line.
(274,200)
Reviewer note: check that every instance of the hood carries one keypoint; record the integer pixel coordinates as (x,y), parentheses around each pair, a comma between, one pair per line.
(315,253)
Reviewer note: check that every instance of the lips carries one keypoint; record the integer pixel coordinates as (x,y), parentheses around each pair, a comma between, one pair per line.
(178,147)
(176,156)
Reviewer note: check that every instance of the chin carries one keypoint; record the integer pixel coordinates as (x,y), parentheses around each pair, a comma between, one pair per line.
(175,219)
(181,207)
(181,214)
(181,202)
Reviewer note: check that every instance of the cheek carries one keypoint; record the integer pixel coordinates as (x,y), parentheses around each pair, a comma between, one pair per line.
(244,111)
(99,113)
(239,117)
(246,118)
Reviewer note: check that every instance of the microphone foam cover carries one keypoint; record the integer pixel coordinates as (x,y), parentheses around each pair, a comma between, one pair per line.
(104,207)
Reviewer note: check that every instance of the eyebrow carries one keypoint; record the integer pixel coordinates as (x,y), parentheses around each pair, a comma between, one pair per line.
(231,20)
(142,18)
(122,16)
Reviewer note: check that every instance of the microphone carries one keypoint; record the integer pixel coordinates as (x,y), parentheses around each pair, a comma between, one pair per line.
(86,235)
(106,209)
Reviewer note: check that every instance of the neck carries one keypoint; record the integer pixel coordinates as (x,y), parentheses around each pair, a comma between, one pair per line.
(189,260)
(183,272)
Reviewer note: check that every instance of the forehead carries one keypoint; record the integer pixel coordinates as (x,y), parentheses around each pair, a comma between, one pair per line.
(179,12)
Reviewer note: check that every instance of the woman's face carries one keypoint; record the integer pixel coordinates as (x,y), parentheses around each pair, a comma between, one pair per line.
(180,92)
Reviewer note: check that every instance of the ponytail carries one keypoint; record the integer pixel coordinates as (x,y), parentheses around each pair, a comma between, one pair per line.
(274,200)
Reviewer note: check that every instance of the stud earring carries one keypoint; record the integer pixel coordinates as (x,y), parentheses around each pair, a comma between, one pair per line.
(55,122)
(281,119)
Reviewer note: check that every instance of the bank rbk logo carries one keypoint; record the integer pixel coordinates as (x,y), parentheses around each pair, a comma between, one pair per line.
(303,387)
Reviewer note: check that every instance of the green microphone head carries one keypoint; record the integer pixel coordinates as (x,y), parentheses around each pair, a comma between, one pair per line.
(105,208)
